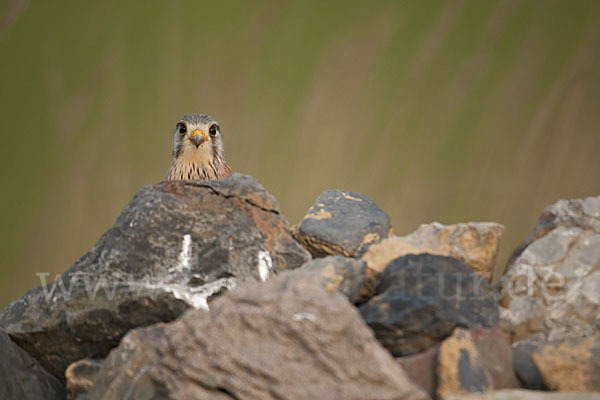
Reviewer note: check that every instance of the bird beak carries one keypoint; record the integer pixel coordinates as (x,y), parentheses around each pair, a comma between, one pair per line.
(198,138)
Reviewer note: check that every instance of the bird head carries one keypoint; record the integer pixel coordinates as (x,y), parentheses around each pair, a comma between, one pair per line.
(197,150)
(197,137)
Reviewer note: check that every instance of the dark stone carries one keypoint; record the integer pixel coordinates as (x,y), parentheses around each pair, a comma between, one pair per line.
(282,339)
(523,364)
(81,376)
(422,298)
(472,379)
(342,223)
(22,377)
(174,246)
(335,273)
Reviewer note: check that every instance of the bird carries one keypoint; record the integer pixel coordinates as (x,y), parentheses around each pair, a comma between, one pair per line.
(198,152)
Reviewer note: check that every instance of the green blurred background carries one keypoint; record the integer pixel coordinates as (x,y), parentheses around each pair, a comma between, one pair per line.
(439,110)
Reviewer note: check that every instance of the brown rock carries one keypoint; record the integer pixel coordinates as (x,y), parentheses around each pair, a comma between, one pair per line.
(496,355)
(461,369)
(572,364)
(81,376)
(475,243)
(282,339)
(525,395)
(552,283)
(421,368)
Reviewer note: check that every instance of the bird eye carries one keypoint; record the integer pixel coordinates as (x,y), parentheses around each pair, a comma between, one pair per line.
(182,129)
(213,130)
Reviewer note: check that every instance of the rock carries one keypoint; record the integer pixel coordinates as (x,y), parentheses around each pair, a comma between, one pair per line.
(422,298)
(474,243)
(496,356)
(334,273)
(552,284)
(475,360)
(525,395)
(460,367)
(283,339)
(523,364)
(81,376)
(421,369)
(22,377)
(570,364)
(174,246)
(342,223)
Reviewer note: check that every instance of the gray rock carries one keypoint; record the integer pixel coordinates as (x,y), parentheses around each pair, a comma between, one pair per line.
(283,339)
(518,394)
(342,223)
(174,246)
(422,298)
(22,377)
(334,273)
(552,283)
(81,376)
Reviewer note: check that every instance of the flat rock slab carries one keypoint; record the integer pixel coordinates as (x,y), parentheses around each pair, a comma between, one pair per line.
(284,339)
(342,223)
(22,377)
(422,298)
(334,274)
(552,285)
(514,394)
(474,243)
(174,246)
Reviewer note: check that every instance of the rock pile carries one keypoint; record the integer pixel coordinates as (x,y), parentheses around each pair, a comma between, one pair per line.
(202,290)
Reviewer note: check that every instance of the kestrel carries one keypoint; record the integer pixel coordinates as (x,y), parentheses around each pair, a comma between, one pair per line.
(197,150)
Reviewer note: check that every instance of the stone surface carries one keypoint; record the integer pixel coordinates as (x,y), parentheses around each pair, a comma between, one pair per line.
(342,223)
(523,364)
(174,246)
(421,369)
(283,339)
(460,367)
(496,356)
(474,243)
(570,364)
(81,376)
(334,273)
(552,283)
(422,298)
(22,377)
(475,360)
(525,395)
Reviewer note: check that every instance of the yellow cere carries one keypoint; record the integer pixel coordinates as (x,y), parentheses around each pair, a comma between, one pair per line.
(198,131)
